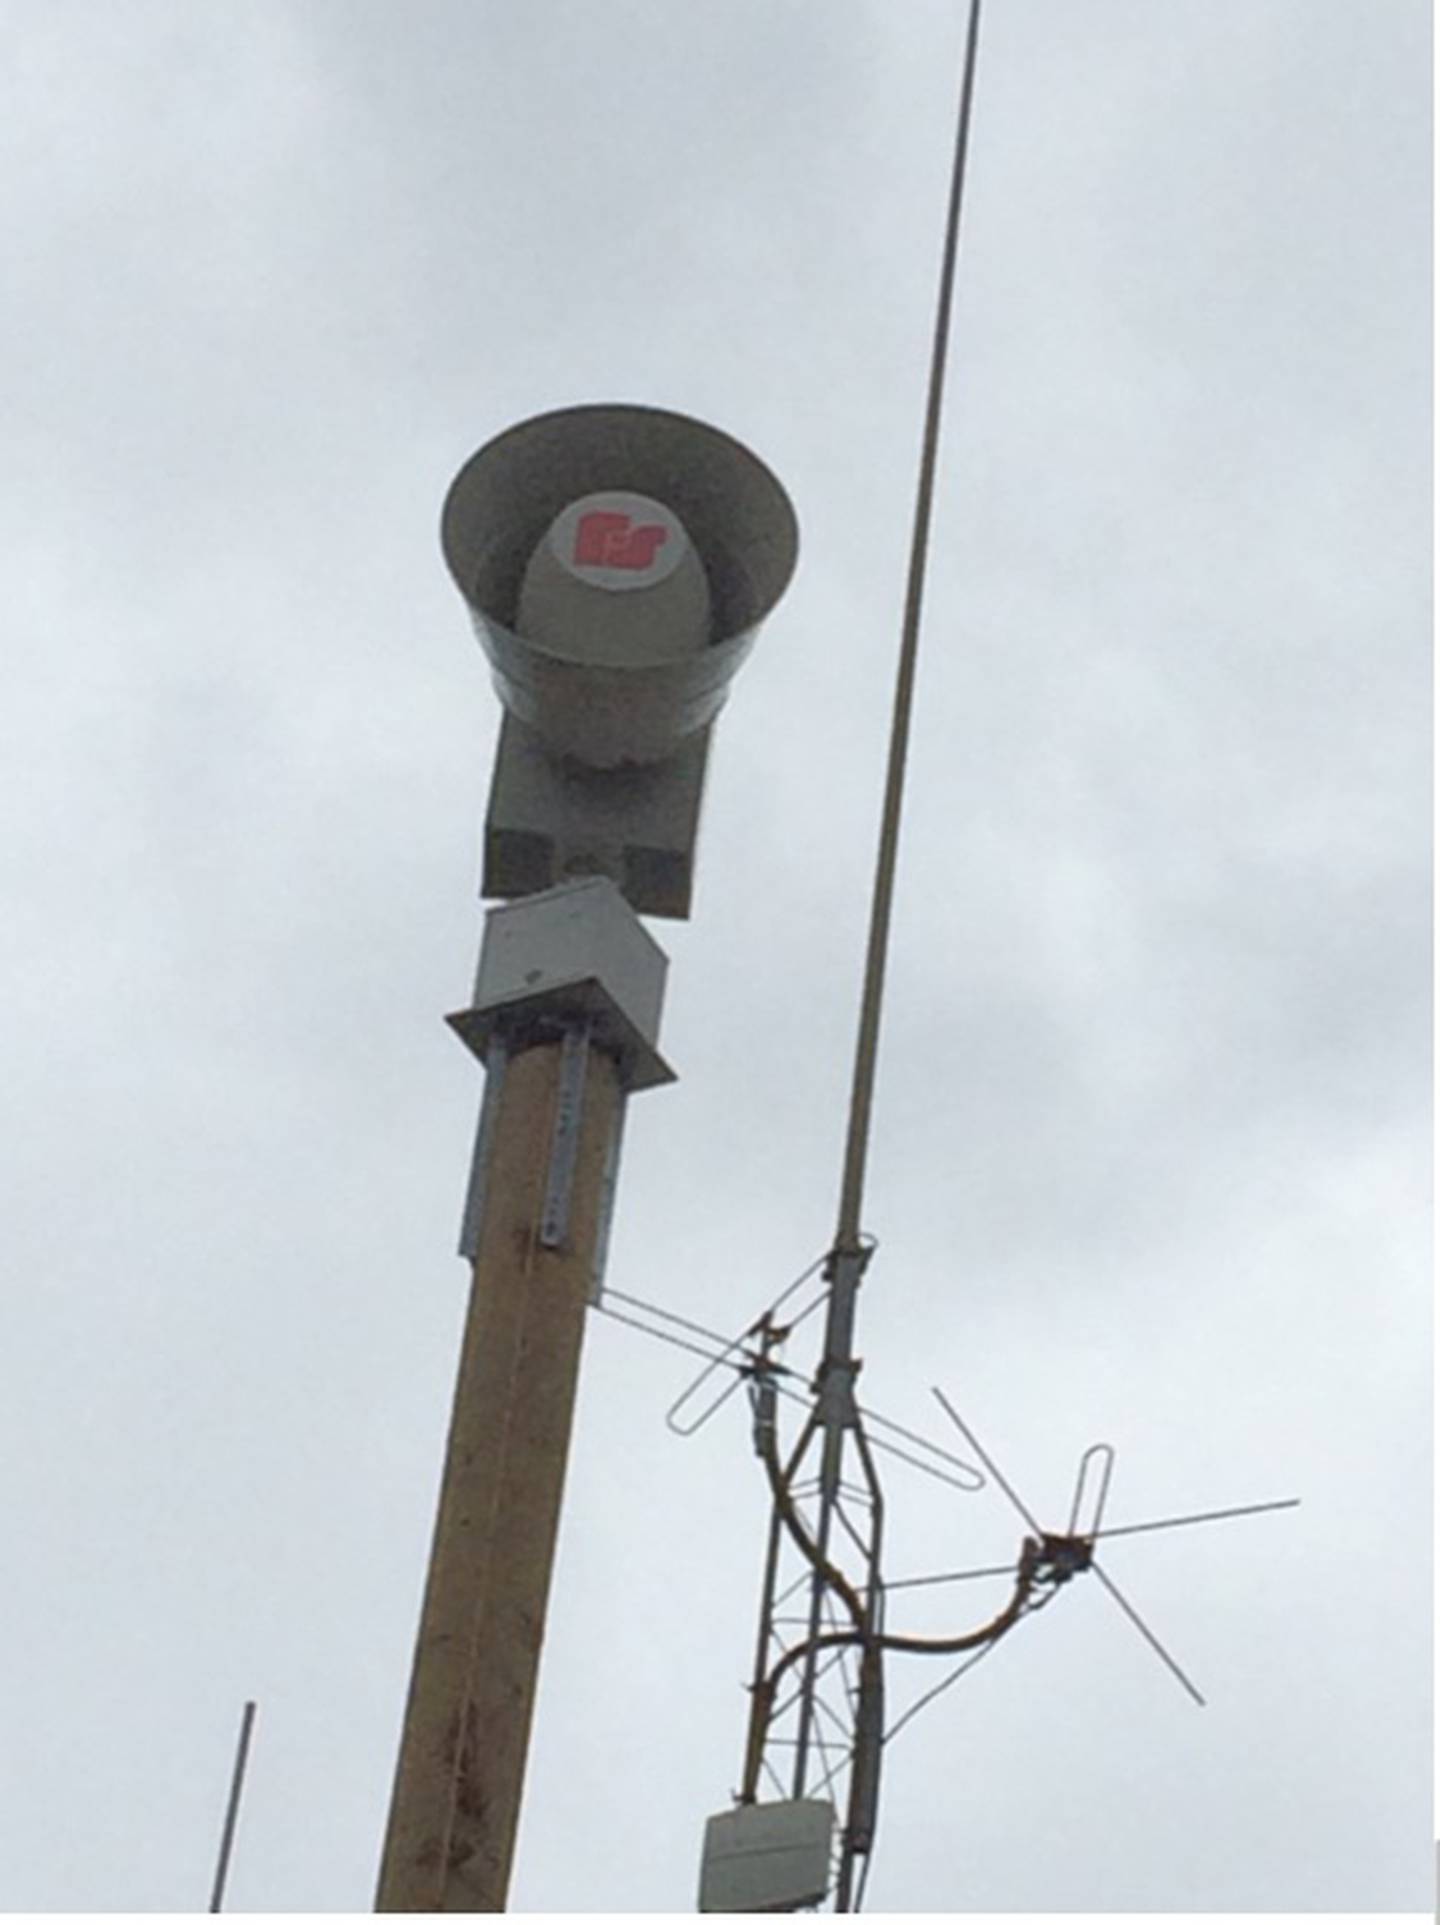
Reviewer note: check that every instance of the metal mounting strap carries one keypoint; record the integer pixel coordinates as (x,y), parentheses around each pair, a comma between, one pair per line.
(496,1057)
(608,1182)
(565,1142)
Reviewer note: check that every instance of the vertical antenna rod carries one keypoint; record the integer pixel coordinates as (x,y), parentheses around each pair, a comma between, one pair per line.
(835,1419)
(863,1086)
(232,1809)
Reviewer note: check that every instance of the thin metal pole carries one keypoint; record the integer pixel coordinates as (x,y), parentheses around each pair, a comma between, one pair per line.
(232,1809)
(1196,1517)
(863,1087)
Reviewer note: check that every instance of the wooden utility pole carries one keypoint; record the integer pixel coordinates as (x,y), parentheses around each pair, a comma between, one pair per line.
(456,1800)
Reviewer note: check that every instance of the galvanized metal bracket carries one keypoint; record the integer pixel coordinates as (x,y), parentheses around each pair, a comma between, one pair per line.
(565,1139)
(497,1055)
(576,1042)
(609,1182)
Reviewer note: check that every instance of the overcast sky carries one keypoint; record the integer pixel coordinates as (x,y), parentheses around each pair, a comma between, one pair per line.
(1151,1127)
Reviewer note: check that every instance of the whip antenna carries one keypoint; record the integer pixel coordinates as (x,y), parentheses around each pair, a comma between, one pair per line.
(819,1738)
(863,1084)
(232,1807)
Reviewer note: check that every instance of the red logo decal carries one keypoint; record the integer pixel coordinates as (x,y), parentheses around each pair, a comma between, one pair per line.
(604,539)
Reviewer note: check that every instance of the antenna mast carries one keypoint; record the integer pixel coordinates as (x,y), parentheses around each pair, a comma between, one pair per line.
(795,1738)
(232,1807)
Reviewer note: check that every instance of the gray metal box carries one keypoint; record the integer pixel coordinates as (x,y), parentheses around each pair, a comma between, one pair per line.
(767,1858)
(576,951)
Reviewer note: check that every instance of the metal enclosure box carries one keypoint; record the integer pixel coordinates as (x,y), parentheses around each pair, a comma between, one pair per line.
(767,1858)
(576,951)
